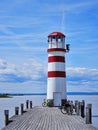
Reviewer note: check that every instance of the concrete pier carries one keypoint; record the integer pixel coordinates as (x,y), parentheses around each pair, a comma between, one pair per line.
(45,118)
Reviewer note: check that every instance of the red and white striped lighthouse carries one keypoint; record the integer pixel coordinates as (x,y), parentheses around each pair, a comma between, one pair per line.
(56,83)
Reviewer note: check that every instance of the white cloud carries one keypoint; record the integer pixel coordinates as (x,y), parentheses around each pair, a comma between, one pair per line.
(82,79)
(81,71)
(30,70)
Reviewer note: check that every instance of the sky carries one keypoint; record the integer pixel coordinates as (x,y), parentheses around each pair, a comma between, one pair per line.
(24,27)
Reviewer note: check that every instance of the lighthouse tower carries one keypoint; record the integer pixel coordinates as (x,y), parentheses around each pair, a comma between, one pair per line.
(56,83)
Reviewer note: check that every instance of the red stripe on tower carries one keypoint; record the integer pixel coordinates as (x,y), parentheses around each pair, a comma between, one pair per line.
(56,59)
(56,49)
(56,74)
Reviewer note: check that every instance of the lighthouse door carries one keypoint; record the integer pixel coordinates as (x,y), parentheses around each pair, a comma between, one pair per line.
(57,98)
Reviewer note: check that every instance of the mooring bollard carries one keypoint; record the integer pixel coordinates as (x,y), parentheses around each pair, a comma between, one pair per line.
(71,107)
(82,108)
(30,104)
(77,107)
(76,101)
(16,110)
(79,103)
(6,113)
(22,109)
(27,104)
(89,114)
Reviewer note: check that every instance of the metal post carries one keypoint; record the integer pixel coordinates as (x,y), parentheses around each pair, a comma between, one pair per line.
(6,113)
(22,106)
(89,114)
(16,110)
(27,104)
(30,104)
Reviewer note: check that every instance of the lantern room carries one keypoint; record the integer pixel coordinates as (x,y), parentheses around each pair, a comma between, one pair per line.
(56,40)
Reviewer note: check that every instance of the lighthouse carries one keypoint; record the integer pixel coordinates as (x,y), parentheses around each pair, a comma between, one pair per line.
(56,81)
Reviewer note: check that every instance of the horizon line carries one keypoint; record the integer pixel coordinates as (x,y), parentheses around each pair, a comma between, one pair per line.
(68,93)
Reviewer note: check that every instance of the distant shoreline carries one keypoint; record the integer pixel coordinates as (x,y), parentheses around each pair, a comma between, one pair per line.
(9,95)
(5,96)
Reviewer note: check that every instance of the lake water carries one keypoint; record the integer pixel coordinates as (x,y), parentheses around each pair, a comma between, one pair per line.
(11,103)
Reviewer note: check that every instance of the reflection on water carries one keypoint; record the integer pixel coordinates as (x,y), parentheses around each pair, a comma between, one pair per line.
(11,103)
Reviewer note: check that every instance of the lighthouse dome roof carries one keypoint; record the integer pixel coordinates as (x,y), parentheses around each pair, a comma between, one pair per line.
(56,34)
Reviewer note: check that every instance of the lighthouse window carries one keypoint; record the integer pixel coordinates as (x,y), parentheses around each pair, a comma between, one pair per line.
(59,39)
(59,42)
(53,42)
(53,39)
(49,39)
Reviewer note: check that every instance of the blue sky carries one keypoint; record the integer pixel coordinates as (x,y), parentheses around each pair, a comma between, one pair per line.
(24,27)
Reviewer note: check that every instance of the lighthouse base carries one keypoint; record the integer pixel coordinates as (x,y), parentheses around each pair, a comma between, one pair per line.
(51,102)
(56,90)
(56,100)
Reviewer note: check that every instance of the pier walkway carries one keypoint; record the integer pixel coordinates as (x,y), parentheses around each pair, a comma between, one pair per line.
(45,118)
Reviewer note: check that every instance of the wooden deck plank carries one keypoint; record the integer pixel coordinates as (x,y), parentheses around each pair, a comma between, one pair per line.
(43,118)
